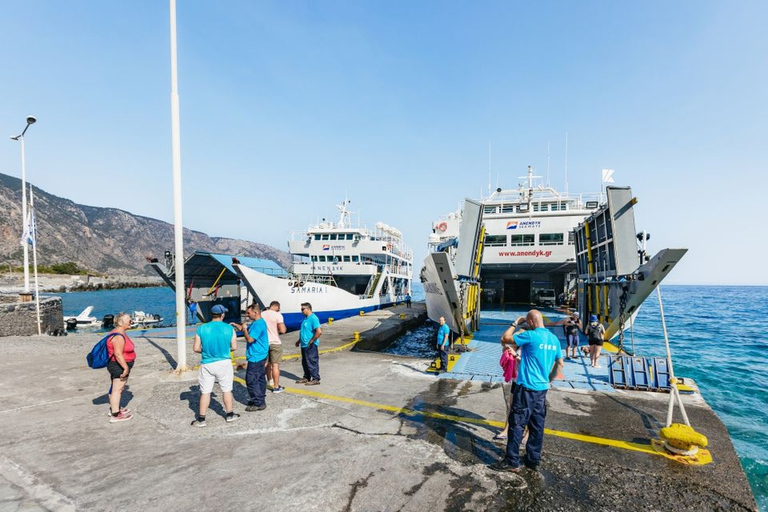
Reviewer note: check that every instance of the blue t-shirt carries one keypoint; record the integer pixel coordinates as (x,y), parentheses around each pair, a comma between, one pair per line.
(442,332)
(308,326)
(216,338)
(258,349)
(540,349)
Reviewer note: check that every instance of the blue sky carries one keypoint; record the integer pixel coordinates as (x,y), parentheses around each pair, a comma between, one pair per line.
(288,107)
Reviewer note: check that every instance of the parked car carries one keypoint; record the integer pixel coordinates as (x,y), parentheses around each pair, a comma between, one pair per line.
(546,297)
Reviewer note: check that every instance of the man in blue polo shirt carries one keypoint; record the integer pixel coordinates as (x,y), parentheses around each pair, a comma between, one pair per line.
(541,360)
(443,343)
(256,351)
(309,337)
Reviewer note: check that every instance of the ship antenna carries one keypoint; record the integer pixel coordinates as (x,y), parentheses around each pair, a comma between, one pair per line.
(547,164)
(566,163)
(489,168)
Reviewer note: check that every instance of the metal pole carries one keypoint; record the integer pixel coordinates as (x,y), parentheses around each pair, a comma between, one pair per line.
(24,213)
(33,232)
(181,308)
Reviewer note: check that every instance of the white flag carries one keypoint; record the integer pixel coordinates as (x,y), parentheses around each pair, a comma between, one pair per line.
(607,175)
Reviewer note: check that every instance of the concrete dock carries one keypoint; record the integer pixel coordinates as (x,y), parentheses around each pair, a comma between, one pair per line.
(379,433)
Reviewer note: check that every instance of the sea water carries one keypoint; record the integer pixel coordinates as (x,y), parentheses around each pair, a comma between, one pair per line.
(715,334)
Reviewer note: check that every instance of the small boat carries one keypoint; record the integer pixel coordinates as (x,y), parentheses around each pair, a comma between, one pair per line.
(142,319)
(83,320)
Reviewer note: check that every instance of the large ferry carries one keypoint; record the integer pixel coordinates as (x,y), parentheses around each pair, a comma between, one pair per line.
(340,269)
(529,252)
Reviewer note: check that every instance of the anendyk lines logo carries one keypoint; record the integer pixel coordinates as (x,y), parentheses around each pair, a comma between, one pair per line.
(523,224)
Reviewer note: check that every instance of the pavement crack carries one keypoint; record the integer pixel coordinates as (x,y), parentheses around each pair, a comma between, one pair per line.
(360,484)
(358,432)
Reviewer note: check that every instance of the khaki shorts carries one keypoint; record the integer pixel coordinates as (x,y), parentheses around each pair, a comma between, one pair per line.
(275,353)
(220,371)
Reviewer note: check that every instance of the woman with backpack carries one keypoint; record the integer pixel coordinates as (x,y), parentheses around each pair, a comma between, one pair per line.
(595,333)
(122,355)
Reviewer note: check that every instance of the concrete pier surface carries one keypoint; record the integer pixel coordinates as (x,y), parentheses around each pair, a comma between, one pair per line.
(379,433)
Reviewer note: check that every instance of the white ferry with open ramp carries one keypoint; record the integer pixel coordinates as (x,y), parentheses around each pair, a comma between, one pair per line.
(339,268)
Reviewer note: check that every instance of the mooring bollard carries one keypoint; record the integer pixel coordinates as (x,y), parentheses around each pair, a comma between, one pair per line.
(402,316)
(362,312)
(357,336)
(330,321)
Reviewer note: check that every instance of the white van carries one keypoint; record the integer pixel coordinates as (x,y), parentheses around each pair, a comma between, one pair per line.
(546,297)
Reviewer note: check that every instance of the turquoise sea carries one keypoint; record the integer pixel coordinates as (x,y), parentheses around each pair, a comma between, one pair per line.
(714,331)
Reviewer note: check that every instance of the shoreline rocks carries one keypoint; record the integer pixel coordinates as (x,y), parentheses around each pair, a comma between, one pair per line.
(77,283)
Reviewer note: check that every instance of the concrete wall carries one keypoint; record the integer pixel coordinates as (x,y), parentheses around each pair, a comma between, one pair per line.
(20,318)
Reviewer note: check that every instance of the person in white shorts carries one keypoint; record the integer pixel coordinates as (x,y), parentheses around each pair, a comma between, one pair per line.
(214,340)
(275,327)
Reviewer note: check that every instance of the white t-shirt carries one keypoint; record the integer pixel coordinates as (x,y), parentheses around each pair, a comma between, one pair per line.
(272,318)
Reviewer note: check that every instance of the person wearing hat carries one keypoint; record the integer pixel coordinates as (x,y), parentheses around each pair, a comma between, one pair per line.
(214,341)
(572,326)
(595,333)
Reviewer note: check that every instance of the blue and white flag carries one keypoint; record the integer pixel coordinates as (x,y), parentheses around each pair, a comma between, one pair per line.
(30,229)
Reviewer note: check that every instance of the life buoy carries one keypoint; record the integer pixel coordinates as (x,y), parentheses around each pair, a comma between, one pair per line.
(442,226)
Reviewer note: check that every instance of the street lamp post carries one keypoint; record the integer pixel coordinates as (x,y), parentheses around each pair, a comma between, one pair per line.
(30,121)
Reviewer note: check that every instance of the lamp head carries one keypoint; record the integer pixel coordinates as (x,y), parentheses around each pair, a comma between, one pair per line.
(31,120)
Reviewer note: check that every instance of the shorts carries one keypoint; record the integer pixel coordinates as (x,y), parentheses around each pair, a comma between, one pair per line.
(218,371)
(599,343)
(115,370)
(275,353)
(573,340)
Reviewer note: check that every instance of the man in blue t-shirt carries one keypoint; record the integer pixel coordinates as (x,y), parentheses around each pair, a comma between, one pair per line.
(309,337)
(214,341)
(443,344)
(541,360)
(256,352)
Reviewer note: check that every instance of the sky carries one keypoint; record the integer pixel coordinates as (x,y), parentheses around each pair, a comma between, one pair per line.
(288,107)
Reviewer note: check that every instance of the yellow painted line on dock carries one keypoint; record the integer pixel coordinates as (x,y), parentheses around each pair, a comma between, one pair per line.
(703,458)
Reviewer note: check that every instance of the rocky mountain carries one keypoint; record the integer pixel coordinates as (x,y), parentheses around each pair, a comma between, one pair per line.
(105,240)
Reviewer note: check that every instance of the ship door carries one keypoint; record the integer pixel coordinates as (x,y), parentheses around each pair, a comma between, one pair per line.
(517,291)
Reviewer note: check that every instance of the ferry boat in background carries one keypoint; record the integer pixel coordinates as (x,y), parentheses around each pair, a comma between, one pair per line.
(529,254)
(451,270)
(340,269)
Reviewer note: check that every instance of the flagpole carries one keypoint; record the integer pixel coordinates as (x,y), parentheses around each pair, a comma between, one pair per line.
(178,265)
(33,235)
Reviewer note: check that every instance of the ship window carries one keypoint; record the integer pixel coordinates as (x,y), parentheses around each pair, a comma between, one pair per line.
(333,236)
(570,238)
(314,258)
(495,240)
(317,237)
(325,236)
(551,239)
(355,258)
(517,240)
(346,258)
(349,236)
(545,207)
(536,207)
(507,208)
(489,209)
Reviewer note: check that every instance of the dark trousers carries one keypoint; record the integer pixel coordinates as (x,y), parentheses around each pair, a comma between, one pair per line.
(443,358)
(529,408)
(256,382)
(310,362)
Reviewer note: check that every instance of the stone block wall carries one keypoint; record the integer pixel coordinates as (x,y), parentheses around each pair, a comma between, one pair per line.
(20,318)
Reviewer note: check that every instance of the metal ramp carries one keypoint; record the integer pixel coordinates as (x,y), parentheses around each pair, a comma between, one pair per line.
(639,373)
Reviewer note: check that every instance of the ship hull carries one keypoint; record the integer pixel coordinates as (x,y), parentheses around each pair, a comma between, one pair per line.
(327,301)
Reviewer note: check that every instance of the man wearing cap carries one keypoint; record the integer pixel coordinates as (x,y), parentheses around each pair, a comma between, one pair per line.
(309,335)
(595,333)
(256,352)
(540,362)
(214,341)
(572,326)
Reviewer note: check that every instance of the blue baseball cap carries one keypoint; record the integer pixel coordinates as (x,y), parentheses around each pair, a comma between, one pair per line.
(218,309)
(593,318)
